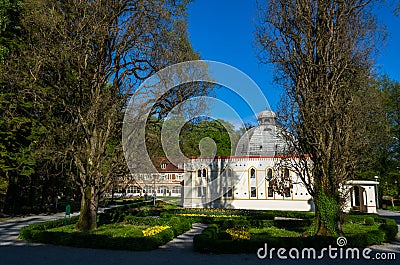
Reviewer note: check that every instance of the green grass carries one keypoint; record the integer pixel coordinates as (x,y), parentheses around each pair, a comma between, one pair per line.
(171,200)
(273,232)
(359,228)
(112,230)
(394,208)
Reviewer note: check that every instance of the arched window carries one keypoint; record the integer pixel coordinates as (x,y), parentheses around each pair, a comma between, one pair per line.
(269,173)
(252,173)
(286,174)
(204,173)
(199,173)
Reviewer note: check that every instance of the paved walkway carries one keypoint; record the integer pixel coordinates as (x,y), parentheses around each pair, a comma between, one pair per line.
(184,242)
(179,251)
(9,229)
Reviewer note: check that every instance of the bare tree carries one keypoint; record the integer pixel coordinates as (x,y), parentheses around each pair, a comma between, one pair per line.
(322,51)
(83,60)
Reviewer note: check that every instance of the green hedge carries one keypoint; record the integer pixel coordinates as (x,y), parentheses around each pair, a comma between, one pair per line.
(39,233)
(215,241)
(87,240)
(360,218)
(390,227)
(31,231)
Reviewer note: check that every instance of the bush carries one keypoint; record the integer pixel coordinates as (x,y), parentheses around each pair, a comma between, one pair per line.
(369,221)
(118,214)
(214,241)
(40,233)
(366,239)
(390,228)
(360,218)
(31,231)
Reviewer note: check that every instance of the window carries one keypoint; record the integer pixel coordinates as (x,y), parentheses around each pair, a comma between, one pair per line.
(286,174)
(163,190)
(148,189)
(287,192)
(133,189)
(252,173)
(199,173)
(201,191)
(269,173)
(227,192)
(204,173)
(176,189)
(178,177)
(253,193)
(270,192)
(163,165)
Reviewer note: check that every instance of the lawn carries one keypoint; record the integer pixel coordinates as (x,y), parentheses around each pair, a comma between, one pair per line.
(272,232)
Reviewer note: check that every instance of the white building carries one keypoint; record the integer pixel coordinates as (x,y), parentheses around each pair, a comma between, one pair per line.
(252,180)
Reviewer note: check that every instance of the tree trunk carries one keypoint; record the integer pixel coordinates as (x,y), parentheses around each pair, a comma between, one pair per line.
(88,214)
(327,215)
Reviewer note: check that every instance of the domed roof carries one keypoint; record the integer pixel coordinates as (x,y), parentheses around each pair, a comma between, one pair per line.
(266,114)
(262,140)
(266,117)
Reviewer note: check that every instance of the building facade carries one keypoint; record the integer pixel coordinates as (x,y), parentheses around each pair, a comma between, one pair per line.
(253,179)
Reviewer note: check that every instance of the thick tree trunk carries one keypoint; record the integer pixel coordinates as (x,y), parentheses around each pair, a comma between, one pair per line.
(88,214)
(327,215)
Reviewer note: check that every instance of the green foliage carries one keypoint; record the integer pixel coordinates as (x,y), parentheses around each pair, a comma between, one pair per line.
(382,158)
(191,134)
(390,227)
(358,231)
(394,208)
(273,231)
(9,27)
(369,221)
(328,212)
(127,235)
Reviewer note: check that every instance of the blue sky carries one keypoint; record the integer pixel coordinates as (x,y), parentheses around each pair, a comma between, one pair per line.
(222,30)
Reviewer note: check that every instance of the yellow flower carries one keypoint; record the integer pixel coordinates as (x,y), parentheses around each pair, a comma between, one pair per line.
(238,234)
(151,231)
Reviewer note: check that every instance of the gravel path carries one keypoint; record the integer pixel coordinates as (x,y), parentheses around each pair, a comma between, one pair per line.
(179,251)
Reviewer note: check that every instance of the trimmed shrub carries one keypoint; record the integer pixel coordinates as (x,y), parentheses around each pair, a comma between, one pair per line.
(360,218)
(366,239)
(390,228)
(31,231)
(369,221)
